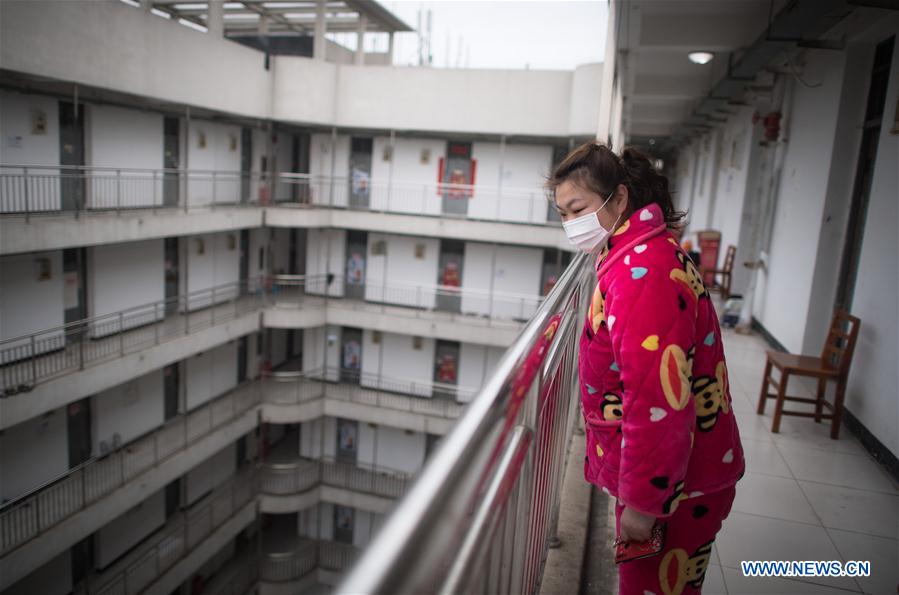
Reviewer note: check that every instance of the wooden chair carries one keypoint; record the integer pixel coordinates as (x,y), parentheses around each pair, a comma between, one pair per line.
(833,364)
(709,243)
(724,272)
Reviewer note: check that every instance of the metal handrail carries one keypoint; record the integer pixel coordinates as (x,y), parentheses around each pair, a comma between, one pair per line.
(39,509)
(481,513)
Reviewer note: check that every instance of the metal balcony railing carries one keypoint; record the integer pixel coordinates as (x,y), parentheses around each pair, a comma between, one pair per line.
(41,509)
(181,535)
(42,189)
(309,554)
(282,479)
(25,361)
(374,390)
(480,515)
(286,290)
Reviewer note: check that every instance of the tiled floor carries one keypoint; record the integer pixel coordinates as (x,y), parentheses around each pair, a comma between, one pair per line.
(804,497)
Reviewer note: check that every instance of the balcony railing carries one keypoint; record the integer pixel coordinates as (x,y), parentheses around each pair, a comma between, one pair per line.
(42,189)
(286,290)
(25,361)
(33,513)
(374,390)
(309,554)
(283,479)
(177,539)
(480,515)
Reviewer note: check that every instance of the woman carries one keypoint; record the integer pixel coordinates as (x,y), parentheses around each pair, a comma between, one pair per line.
(661,435)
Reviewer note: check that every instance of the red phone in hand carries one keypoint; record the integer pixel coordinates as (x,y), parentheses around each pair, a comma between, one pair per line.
(626,551)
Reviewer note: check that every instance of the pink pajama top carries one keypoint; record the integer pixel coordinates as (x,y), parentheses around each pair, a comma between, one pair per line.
(653,379)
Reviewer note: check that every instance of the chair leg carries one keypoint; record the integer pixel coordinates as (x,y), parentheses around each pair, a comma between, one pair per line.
(781,398)
(763,397)
(819,406)
(838,409)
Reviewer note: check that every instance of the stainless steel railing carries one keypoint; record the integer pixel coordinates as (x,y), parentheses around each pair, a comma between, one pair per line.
(37,511)
(42,189)
(482,511)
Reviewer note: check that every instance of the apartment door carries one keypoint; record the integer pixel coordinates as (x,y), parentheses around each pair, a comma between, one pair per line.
(350,355)
(78,421)
(246,162)
(457,170)
(71,153)
(172,497)
(74,279)
(243,348)
(244,260)
(304,192)
(360,172)
(446,368)
(171,160)
(343,524)
(347,437)
(172,279)
(171,389)
(449,275)
(356,251)
(867,158)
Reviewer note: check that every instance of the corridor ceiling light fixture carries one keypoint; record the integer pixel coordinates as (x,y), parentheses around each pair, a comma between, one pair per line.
(700,57)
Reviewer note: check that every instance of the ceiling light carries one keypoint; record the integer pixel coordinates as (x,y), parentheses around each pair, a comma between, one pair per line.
(700,57)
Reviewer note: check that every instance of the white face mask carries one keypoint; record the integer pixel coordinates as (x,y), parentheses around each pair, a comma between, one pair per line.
(586,232)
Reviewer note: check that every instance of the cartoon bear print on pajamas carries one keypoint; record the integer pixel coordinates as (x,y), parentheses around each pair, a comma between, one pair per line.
(611,407)
(689,275)
(689,570)
(710,398)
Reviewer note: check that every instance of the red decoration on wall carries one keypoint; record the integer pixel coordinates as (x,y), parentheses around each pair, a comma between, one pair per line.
(772,126)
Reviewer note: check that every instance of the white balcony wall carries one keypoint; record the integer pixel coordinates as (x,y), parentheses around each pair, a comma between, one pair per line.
(412,173)
(33,453)
(29,304)
(318,438)
(129,529)
(872,393)
(408,263)
(116,137)
(213,146)
(782,302)
(213,260)
(325,249)
(586,90)
(476,364)
(395,363)
(127,276)
(83,42)
(509,182)
(53,578)
(23,144)
(211,374)
(128,411)
(212,472)
(391,448)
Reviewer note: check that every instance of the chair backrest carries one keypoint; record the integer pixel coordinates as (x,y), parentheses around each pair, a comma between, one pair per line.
(709,245)
(840,343)
(729,258)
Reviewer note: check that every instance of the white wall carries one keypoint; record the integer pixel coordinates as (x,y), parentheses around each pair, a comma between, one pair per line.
(396,276)
(396,359)
(413,181)
(319,351)
(391,448)
(786,291)
(211,374)
(872,393)
(28,305)
(125,276)
(20,146)
(129,410)
(512,273)
(476,364)
(126,531)
(318,438)
(33,453)
(509,182)
(325,251)
(217,266)
(116,137)
(210,473)
(586,90)
(221,153)
(322,150)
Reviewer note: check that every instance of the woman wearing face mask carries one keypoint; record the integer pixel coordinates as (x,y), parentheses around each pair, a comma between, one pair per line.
(661,435)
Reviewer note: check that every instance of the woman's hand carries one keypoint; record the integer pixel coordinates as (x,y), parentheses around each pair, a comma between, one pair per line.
(635,526)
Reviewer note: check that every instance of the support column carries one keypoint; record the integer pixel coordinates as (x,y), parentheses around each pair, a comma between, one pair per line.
(390,48)
(215,18)
(319,42)
(360,39)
